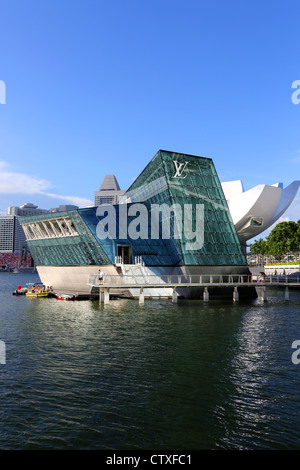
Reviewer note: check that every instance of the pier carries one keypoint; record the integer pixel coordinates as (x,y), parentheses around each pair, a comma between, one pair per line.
(171,284)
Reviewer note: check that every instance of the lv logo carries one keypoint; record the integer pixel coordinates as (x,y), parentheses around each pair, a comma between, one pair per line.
(179,167)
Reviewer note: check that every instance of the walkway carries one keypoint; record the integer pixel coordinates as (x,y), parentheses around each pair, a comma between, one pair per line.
(174,282)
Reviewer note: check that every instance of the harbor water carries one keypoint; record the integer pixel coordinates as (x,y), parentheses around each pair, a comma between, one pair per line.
(83,375)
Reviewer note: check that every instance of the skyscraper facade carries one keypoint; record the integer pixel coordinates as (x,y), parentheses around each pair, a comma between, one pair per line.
(109,191)
(12,237)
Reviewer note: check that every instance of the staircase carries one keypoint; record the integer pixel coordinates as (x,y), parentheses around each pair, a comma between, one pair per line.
(140,274)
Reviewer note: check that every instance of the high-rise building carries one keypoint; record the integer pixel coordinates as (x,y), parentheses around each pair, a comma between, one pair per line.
(12,237)
(26,209)
(109,191)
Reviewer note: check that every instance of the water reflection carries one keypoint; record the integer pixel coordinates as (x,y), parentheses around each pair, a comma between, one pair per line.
(260,368)
(165,376)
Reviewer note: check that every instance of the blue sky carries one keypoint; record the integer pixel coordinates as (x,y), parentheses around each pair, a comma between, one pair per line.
(98,87)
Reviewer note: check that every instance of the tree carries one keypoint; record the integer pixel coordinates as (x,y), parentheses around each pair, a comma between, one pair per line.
(259,248)
(284,239)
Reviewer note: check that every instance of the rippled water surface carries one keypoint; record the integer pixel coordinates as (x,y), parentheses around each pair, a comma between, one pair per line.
(80,375)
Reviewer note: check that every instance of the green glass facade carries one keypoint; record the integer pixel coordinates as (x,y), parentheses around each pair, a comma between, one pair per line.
(82,249)
(185,179)
(170,179)
(155,252)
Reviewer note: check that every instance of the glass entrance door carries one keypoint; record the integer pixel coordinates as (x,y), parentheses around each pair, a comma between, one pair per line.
(125,252)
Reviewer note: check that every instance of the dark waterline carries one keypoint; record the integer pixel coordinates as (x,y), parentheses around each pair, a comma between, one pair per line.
(80,375)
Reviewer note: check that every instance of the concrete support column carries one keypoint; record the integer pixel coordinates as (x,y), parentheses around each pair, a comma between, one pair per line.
(287,293)
(100,296)
(235,294)
(174,295)
(263,296)
(205,295)
(106,295)
(141,296)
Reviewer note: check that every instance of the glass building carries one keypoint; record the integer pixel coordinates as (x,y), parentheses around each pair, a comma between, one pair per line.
(174,216)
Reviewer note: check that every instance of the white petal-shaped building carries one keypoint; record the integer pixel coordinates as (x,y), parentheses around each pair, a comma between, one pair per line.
(255,210)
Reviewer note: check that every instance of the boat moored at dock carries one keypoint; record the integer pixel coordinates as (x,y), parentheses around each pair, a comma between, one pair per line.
(65,297)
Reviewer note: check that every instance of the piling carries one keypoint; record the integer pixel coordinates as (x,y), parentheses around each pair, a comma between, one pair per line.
(235,294)
(106,296)
(263,294)
(287,293)
(141,296)
(174,295)
(205,295)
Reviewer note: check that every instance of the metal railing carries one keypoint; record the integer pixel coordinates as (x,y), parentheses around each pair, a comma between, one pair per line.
(190,280)
(137,260)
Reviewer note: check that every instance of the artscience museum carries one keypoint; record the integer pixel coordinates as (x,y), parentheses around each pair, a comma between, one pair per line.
(257,209)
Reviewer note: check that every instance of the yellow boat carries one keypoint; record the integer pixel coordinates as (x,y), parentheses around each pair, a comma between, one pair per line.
(36,290)
(37,294)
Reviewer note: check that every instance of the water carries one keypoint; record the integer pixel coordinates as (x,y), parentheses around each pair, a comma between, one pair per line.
(80,375)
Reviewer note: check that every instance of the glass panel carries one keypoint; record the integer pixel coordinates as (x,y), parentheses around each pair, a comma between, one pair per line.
(208,236)
(82,249)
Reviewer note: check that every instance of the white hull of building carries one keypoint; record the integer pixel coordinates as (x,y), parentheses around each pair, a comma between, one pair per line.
(70,278)
(76,279)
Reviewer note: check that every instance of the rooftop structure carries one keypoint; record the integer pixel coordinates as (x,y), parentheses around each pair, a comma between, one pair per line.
(63,207)
(26,209)
(109,191)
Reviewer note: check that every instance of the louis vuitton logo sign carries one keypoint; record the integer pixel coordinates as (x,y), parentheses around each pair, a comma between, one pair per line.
(180,169)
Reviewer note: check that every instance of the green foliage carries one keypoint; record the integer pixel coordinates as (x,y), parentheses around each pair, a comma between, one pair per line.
(259,247)
(290,263)
(283,239)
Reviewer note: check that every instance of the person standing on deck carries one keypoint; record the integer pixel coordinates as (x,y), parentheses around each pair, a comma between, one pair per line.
(100,276)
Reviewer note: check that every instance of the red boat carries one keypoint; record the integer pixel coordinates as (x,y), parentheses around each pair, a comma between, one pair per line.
(65,297)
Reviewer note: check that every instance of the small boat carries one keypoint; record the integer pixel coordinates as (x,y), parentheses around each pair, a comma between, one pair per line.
(36,294)
(20,291)
(65,297)
(36,290)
